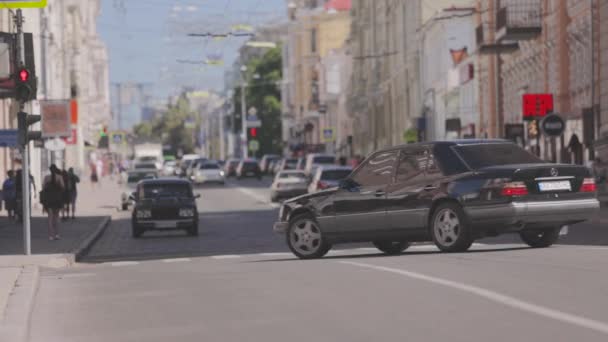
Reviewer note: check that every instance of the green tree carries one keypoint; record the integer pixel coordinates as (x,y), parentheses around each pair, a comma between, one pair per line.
(264,94)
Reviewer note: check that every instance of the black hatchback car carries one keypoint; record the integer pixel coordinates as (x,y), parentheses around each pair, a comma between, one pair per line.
(450,193)
(162,204)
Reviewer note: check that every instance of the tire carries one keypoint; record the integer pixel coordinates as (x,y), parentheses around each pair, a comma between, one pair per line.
(305,239)
(540,238)
(136,232)
(193,231)
(450,229)
(391,247)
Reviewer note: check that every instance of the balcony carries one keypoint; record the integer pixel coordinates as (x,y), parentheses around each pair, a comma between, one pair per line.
(519,20)
(485,46)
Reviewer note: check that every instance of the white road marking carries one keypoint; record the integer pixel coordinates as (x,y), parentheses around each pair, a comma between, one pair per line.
(495,297)
(176,260)
(257,197)
(229,256)
(124,263)
(275,254)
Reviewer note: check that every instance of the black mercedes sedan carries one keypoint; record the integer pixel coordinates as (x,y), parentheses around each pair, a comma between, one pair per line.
(162,204)
(448,192)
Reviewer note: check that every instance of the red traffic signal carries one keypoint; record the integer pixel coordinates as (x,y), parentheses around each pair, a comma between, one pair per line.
(253,132)
(24,75)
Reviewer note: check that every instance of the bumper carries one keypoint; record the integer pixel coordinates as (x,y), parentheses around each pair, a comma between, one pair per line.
(280,227)
(535,213)
(166,224)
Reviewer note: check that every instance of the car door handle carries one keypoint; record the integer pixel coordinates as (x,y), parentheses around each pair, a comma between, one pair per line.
(430,187)
(379,193)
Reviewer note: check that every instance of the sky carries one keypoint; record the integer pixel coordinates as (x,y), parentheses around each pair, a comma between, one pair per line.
(146,38)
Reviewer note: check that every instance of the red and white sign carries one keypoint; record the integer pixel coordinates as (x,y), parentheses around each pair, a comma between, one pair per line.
(537,105)
(55,120)
(73,138)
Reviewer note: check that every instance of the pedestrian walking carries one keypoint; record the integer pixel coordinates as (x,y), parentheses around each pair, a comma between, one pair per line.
(9,193)
(72,186)
(52,198)
(94,175)
(65,211)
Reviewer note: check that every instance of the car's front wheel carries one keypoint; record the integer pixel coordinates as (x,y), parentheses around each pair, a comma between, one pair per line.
(540,238)
(305,239)
(449,228)
(391,247)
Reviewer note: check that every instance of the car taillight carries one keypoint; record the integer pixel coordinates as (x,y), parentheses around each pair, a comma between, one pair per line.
(322,186)
(514,189)
(588,185)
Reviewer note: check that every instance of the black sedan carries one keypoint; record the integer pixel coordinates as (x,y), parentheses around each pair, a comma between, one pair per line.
(451,193)
(162,204)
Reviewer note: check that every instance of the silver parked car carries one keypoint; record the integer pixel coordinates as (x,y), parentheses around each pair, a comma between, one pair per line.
(327,177)
(287,184)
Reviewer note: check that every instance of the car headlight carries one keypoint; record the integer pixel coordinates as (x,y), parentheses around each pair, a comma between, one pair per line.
(143,214)
(186,212)
(222,173)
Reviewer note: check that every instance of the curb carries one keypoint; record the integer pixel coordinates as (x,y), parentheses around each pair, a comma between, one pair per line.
(16,324)
(85,246)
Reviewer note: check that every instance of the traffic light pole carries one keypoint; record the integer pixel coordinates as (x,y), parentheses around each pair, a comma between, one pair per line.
(244,122)
(25,156)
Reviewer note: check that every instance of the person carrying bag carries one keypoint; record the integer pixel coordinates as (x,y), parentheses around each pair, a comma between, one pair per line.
(52,199)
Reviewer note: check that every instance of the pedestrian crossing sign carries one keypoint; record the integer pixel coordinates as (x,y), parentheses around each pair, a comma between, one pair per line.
(22,3)
(328,135)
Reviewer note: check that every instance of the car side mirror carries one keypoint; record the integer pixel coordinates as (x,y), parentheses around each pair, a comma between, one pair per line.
(133,196)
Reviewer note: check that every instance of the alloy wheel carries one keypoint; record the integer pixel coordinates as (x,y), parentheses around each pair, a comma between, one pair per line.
(305,237)
(447,227)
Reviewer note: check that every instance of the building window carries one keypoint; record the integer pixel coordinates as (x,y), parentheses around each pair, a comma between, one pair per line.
(313,40)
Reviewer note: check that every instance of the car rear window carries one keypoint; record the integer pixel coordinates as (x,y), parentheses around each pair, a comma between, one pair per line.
(324,160)
(483,155)
(209,167)
(335,175)
(136,177)
(145,166)
(155,190)
(292,175)
(250,165)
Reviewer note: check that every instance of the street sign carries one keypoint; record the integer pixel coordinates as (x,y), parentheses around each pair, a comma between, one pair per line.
(56,118)
(553,125)
(328,135)
(73,138)
(536,105)
(117,138)
(8,138)
(54,145)
(22,3)
(253,122)
(254,145)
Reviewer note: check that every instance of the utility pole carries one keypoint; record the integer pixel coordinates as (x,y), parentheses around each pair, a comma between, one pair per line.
(244,122)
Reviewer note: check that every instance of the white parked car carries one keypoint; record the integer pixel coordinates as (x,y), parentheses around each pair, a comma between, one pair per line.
(327,177)
(315,160)
(287,184)
(169,167)
(208,172)
(130,184)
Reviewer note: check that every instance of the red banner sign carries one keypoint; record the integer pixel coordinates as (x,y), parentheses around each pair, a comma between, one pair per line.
(537,105)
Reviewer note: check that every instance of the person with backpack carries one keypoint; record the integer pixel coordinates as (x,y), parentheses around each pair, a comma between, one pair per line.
(9,193)
(53,199)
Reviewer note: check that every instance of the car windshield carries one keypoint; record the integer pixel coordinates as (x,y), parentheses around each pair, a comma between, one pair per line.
(145,166)
(324,160)
(483,155)
(135,177)
(334,175)
(154,190)
(209,166)
(298,175)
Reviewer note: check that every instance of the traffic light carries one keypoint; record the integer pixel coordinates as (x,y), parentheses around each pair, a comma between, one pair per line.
(103,132)
(253,132)
(25,85)
(24,120)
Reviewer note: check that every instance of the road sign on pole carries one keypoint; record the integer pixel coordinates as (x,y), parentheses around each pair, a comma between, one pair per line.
(22,3)
(8,138)
(56,118)
(254,145)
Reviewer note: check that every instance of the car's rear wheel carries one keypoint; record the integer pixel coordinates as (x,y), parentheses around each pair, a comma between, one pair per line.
(540,238)
(450,229)
(305,239)
(136,231)
(391,247)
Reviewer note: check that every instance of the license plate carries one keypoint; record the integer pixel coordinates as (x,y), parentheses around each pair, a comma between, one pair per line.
(554,186)
(165,225)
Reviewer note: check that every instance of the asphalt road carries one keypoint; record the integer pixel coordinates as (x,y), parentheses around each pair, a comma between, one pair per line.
(236,282)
